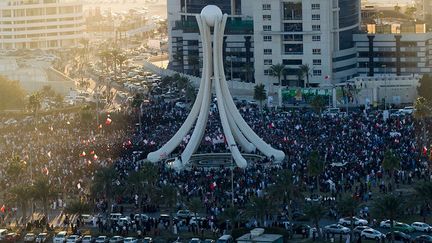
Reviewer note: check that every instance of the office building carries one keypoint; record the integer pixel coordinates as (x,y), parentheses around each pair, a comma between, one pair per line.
(40,24)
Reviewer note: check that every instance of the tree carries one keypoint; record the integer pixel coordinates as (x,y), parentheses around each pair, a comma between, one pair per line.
(194,64)
(115,53)
(424,192)
(260,94)
(397,8)
(424,90)
(15,169)
(77,207)
(315,211)
(318,103)
(103,183)
(47,92)
(11,94)
(35,102)
(190,92)
(233,215)
(195,205)
(86,115)
(306,72)
(315,167)
(259,207)
(410,11)
(121,60)
(422,110)
(299,77)
(168,196)
(388,207)
(390,163)
(248,71)
(43,191)
(277,71)
(348,206)
(20,194)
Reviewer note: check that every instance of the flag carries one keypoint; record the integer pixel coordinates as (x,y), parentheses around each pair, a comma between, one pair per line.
(82,154)
(100,126)
(425,150)
(45,171)
(95,157)
(3,208)
(213,186)
(108,121)
(92,152)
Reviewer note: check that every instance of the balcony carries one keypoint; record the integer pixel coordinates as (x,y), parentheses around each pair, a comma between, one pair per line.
(233,27)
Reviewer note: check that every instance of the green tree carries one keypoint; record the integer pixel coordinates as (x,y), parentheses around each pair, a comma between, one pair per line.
(390,163)
(20,195)
(195,205)
(425,87)
(121,61)
(348,206)
(397,8)
(315,167)
(259,207)
(277,71)
(315,211)
(103,183)
(234,215)
(47,92)
(168,196)
(11,94)
(35,102)
(389,207)
(190,93)
(424,192)
(194,64)
(77,207)
(422,111)
(318,103)
(410,11)
(260,94)
(15,169)
(306,72)
(43,191)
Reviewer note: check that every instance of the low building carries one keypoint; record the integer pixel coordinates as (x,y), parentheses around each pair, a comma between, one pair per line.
(257,236)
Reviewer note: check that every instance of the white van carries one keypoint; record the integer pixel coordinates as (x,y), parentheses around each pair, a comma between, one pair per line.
(3,233)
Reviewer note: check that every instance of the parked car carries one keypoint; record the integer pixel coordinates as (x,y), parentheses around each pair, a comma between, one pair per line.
(102,239)
(208,241)
(87,219)
(124,221)
(406,228)
(225,239)
(115,216)
(42,238)
(148,240)
(183,214)
(3,233)
(336,229)
(420,226)
(300,228)
(358,229)
(372,234)
(407,110)
(87,239)
(60,237)
(12,237)
(30,237)
(130,240)
(195,240)
(399,236)
(423,239)
(357,221)
(165,218)
(73,239)
(116,239)
(386,224)
(141,217)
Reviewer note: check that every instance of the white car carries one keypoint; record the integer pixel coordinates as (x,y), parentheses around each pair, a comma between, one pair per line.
(124,221)
(386,224)
(73,239)
(130,240)
(420,226)
(372,234)
(336,229)
(357,221)
(60,237)
(407,110)
(87,239)
(195,240)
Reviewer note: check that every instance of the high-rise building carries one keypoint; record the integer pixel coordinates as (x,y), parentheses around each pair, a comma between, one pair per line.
(40,24)
(424,9)
(262,33)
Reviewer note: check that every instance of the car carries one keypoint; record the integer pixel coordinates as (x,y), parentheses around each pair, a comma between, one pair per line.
(73,239)
(313,198)
(299,229)
(357,221)
(116,239)
(399,236)
(423,239)
(87,239)
(386,224)
(183,214)
(422,227)
(102,239)
(30,237)
(336,229)
(147,240)
(60,237)
(141,217)
(194,220)
(372,234)
(208,241)
(3,233)
(12,237)
(130,240)
(87,219)
(407,110)
(165,218)
(42,238)
(357,230)
(115,216)
(406,228)
(195,240)
(124,221)
(225,239)
(180,104)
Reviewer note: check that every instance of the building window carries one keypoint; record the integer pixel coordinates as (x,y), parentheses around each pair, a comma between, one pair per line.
(267,72)
(267,27)
(316,72)
(316,17)
(266,6)
(316,27)
(268,62)
(316,62)
(267,38)
(316,38)
(316,51)
(315,6)
(267,51)
(267,17)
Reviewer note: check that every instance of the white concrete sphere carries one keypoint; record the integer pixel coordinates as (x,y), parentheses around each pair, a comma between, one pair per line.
(211,13)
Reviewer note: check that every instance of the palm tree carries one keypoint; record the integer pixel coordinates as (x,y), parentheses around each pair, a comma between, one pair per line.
(182,82)
(190,92)
(348,206)
(115,53)
(397,8)
(277,71)
(34,102)
(259,207)
(233,215)
(318,103)
(421,112)
(248,71)
(194,64)
(299,77)
(306,72)
(43,191)
(410,11)
(390,163)
(168,196)
(20,195)
(315,167)
(195,205)
(260,96)
(315,211)
(388,207)
(106,57)
(103,183)
(15,169)
(121,60)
